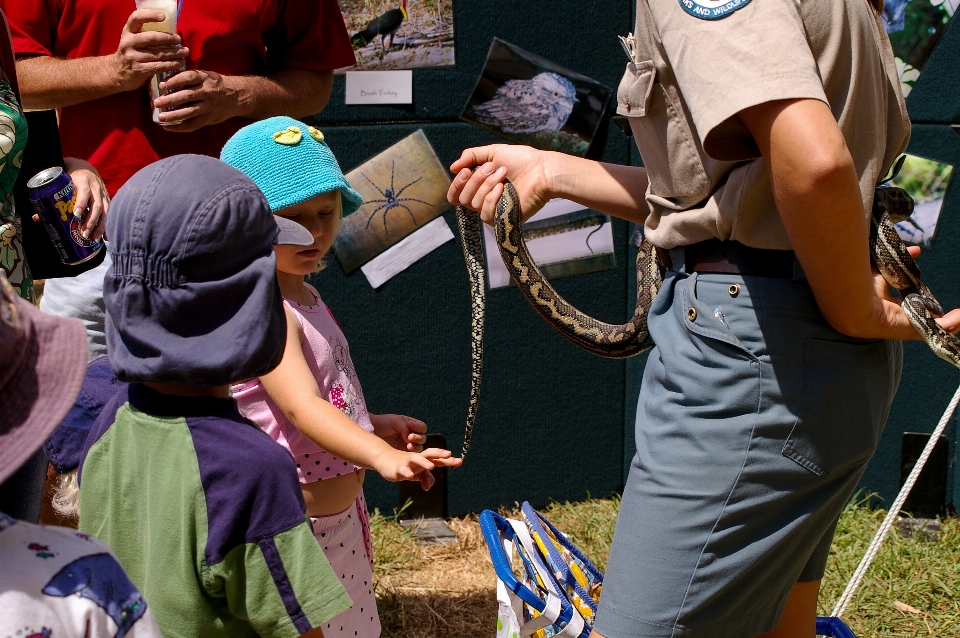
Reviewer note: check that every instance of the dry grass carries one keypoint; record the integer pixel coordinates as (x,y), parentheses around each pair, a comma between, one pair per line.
(449,590)
(434,590)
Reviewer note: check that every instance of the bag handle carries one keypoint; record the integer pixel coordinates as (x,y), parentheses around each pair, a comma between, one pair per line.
(8,63)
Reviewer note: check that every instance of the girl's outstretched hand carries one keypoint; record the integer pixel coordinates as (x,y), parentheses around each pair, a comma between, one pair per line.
(400,431)
(480,189)
(414,466)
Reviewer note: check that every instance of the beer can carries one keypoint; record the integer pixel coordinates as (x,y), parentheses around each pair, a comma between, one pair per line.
(54,197)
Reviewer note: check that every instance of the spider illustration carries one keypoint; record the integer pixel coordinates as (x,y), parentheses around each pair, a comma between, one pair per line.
(392,199)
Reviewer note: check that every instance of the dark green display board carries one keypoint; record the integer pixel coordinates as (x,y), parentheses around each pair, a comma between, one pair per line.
(550,424)
(556,423)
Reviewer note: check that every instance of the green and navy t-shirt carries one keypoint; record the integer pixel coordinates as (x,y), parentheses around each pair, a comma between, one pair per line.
(204,512)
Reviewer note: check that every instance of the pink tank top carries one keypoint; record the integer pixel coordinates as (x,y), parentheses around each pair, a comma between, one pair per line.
(326,351)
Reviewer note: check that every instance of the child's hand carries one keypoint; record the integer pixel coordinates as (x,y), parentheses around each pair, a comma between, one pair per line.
(401,432)
(414,466)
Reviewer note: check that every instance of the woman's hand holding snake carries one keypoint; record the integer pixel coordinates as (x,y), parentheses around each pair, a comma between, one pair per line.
(481,189)
(891,315)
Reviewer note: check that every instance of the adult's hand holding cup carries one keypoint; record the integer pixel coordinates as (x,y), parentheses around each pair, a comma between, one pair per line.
(170,11)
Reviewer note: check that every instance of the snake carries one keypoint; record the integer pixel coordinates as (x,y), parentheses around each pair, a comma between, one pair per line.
(887,251)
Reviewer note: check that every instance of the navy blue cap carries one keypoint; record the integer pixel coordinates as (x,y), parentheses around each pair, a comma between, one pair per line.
(192,294)
(64,448)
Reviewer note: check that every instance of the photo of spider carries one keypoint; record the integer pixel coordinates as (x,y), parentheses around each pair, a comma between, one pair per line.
(391,199)
(404,188)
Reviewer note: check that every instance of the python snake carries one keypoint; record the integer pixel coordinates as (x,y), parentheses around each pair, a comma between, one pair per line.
(888,252)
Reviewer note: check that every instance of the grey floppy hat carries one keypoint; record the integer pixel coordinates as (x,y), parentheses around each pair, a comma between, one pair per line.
(192,294)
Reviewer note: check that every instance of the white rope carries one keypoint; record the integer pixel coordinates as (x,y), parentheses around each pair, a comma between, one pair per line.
(881,534)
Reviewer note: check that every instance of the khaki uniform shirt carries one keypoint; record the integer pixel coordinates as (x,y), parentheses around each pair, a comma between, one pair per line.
(690,77)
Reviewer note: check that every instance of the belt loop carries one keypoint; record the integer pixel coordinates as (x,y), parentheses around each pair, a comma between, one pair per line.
(678,256)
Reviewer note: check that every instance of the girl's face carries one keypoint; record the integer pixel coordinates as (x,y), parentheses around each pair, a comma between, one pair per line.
(321,216)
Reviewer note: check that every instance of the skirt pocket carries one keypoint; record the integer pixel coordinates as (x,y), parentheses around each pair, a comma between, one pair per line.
(846,397)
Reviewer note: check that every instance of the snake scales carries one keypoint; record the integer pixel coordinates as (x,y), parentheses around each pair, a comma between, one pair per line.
(888,252)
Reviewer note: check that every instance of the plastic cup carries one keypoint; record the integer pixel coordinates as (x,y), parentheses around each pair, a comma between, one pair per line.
(168,8)
(170,11)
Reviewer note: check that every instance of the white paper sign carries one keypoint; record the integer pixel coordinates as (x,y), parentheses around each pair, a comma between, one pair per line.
(552,249)
(407,251)
(379,87)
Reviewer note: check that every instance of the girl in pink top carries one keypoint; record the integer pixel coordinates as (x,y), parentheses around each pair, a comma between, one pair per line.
(312,402)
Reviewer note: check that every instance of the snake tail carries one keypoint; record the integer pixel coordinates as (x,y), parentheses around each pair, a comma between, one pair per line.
(604,339)
(468,224)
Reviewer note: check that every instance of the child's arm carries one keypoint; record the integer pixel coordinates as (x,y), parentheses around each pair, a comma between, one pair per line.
(400,431)
(292,387)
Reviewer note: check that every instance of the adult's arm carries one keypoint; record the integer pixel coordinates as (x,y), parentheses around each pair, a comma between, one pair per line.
(817,193)
(47,82)
(206,97)
(540,176)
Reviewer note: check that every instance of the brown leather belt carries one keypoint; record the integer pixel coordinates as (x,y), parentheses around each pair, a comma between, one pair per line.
(732,258)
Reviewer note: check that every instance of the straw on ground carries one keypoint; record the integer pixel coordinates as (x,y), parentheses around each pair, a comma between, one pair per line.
(449,590)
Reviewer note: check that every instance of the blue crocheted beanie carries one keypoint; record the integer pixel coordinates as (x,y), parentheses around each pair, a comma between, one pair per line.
(290,163)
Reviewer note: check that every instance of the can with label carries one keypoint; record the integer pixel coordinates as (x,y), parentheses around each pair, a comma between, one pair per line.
(54,197)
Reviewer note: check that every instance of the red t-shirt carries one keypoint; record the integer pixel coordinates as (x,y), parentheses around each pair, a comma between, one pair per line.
(231,37)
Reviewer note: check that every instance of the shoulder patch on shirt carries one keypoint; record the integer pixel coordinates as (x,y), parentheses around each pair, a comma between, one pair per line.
(712,9)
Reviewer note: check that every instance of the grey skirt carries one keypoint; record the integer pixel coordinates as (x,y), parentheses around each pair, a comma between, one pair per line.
(755,422)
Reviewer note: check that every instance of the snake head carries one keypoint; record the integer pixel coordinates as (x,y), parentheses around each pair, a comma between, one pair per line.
(893,200)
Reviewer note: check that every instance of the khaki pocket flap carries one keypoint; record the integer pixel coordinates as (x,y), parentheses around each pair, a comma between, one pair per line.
(633,94)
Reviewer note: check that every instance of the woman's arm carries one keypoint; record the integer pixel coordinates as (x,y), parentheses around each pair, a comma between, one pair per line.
(817,193)
(540,176)
(292,387)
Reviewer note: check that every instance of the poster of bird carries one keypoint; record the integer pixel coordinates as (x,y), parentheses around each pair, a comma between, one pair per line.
(530,100)
(400,34)
(403,188)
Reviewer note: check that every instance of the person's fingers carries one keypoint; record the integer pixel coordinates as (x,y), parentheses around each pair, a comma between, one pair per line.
(189,125)
(437,453)
(184,80)
(422,461)
(182,98)
(914,251)
(472,185)
(416,438)
(489,211)
(95,218)
(152,42)
(472,157)
(81,184)
(167,55)
(185,115)
(35,218)
(415,425)
(492,179)
(451,462)
(951,321)
(457,184)
(140,17)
